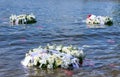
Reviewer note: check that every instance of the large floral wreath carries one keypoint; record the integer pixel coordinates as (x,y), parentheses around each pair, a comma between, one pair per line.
(53,56)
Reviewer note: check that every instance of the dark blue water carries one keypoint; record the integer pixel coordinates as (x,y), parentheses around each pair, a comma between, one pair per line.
(60,22)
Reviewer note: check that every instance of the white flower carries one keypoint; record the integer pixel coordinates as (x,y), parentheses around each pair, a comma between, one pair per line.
(50,60)
(26,61)
(36,60)
(74,53)
(51,46)
(64,49)
(43,61)
(81,53)
(50,66)
(59,47)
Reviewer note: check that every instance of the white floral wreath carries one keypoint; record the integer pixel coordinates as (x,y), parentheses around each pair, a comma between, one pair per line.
(52,56)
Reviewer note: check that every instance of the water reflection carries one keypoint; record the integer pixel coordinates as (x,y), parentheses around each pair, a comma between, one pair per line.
(32,72)
(96,26)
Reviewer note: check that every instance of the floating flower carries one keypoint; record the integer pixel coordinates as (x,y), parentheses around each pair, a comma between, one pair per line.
(104,20)
(22,19)
(53,56)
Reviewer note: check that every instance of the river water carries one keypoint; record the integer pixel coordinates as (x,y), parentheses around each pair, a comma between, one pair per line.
(60,22)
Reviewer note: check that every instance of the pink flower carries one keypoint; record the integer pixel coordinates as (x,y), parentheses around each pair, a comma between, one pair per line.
(89,15)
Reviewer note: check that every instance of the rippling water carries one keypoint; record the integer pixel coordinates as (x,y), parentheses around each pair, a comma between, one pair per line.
(60,22)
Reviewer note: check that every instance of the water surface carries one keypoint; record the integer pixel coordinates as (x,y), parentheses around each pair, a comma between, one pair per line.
(60,22)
